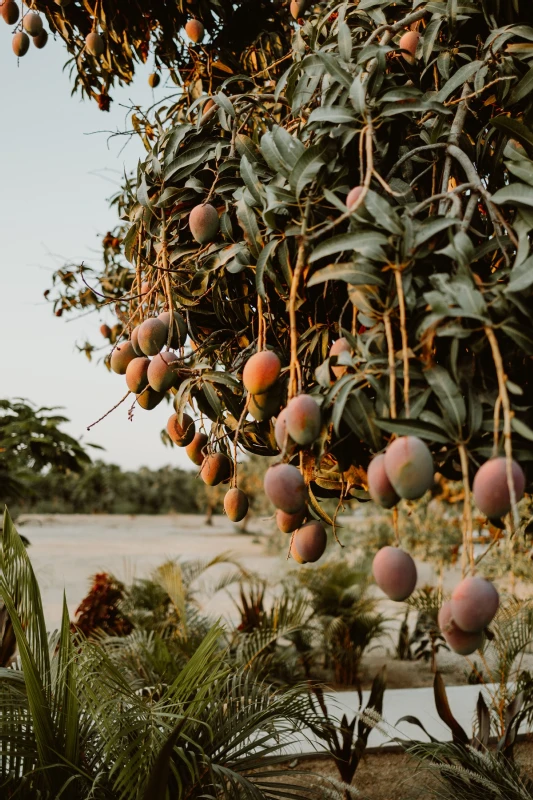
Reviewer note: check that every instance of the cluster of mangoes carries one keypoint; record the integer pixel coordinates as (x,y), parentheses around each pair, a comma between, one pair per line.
(31,30)
(405,471)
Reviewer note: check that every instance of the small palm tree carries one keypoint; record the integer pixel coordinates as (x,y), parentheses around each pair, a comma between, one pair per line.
(73,726)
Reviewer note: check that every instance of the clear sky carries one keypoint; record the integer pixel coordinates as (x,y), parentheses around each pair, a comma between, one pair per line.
(55,179)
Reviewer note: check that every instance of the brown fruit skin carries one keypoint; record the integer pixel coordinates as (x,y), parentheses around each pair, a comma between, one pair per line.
(134,338)
(20,44)
(204,223)
(491,490)
(261,372)
(94,44)
(310,541)
(287,523)
(179,328)
(409,42)
(380,488)
(285,488)
(161,374)
(148,399)
(154,79)
(32,24)
(263,406)
(194,30)
(474,604)
(340,346)
(182,435)
(121,357)
(353,196)
(409,467)
(395,573)
(137,374)
(280,429)
(303,419)
(10,12)
(216,468)
(105,330)
(236,505)
(151,336)
(41,39)
(461,642)
(194,449)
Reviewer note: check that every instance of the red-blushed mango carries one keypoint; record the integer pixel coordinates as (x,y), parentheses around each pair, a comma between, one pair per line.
(474,603)
(380,488)
(462,643)
(280,429)
(145,288)
(195,449)
(261,372)
(32,23)
(179,328)
(310,541)
(121,356)
(194,30)
(135,341)
(236,504)
(287,523)
(184,435)
(340,346)
(409,42)
(41,39)
(491,489)
(20,44)
(285,488)
(162,372)
(137,374)
(303,419)
(10,12)
(151,336)
(94,44)
(263,406)
(149,398)
(353,196)
(216,468)
(204,223)
(409,467)
(395,573)
(154,79)
(105,330)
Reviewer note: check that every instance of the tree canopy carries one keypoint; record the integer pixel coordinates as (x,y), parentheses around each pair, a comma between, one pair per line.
(425,272)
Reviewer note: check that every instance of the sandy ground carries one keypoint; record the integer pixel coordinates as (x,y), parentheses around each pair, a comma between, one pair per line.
(67,549)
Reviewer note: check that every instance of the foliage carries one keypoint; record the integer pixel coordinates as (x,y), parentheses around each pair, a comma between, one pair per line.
(428,276)
(106,488)
(31,441)
(74,726)
(100,609)
(241,36)
(347,741)
(467,768)
(343,614)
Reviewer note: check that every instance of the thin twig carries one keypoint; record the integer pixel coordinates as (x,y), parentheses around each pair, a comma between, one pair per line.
(107,413)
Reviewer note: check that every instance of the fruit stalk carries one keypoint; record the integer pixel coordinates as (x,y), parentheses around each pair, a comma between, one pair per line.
(507,418)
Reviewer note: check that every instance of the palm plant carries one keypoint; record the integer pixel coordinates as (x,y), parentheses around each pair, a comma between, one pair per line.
(72,725)
(345,613)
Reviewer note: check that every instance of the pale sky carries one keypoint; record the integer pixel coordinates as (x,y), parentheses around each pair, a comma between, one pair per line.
(54,183)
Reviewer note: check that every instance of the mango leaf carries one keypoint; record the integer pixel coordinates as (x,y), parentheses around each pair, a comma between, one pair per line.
(514,129)
(514,194)
(364,274)
(262,261)
(413,427)
(368,244)
(448,394)
(306,168)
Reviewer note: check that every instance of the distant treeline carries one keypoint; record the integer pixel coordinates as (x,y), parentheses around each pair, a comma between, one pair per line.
(107,489)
